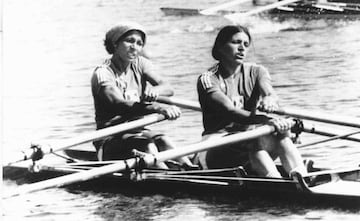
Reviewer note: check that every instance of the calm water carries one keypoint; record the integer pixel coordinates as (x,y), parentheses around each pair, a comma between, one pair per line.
(51,48)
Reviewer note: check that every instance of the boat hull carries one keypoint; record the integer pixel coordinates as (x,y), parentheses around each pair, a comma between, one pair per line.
(232,182)
(307,11)
(310,12)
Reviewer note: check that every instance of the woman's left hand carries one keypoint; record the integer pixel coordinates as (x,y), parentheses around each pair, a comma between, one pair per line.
(171,112)
(268,104)
(150,95)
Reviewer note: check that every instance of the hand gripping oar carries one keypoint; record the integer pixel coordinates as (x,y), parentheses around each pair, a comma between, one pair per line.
(149,160)
(325,118)
(90,136)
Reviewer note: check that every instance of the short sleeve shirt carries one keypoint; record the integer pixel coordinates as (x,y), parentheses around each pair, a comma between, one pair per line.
(131,85)
(242,89)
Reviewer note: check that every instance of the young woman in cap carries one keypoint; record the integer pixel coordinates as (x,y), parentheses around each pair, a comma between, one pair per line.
(122,92)
(230,93)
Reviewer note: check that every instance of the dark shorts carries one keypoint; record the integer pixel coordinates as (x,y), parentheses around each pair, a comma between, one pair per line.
(228,156)
(120,146)
(235,154)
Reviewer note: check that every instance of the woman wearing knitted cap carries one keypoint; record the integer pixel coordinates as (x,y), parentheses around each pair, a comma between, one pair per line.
(122,92)
(230,92)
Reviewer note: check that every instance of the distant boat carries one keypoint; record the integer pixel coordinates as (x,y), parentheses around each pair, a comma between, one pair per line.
(331,9)
(335,9)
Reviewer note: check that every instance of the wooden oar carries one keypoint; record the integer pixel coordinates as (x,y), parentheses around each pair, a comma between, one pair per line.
(149,160)
(310,115)
(193,105)
(90,136)
(320,117)
(235,17)
(213,10)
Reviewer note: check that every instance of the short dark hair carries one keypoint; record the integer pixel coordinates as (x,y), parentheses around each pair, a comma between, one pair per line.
(225,35)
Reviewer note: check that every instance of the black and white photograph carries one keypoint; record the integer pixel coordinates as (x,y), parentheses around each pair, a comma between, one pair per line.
(169,110)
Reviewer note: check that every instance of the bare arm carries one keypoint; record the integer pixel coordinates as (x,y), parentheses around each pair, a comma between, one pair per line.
(269,100)
(159,87)
(112,98)
(269,103)
(221,103)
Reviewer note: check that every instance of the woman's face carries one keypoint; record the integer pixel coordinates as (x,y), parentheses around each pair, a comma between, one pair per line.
(130,47)
(235,50)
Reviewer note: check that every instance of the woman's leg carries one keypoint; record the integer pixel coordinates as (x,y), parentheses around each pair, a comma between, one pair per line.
(290,156)
(263,164)
(262,153)
(281,146)
(164,143)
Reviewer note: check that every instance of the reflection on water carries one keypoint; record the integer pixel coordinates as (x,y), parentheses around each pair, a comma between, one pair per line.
(51,48)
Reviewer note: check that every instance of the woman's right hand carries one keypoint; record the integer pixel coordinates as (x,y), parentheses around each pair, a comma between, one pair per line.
(171,112)
(150,95)
(268,104)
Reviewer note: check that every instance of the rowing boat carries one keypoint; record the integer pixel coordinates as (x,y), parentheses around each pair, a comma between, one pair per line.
(81,166)
(339,184)
(307,11)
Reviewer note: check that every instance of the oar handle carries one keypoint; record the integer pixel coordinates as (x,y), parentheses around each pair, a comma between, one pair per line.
(91,136)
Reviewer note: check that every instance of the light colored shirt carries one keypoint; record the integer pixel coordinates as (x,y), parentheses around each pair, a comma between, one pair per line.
(241,88)
(131,84)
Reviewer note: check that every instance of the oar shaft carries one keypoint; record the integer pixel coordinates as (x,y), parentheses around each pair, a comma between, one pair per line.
(192,105)
(309,115)
(325,118)
(216,142)
(90,136)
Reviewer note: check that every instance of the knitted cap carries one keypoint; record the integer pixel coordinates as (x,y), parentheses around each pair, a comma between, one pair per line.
(119,30)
